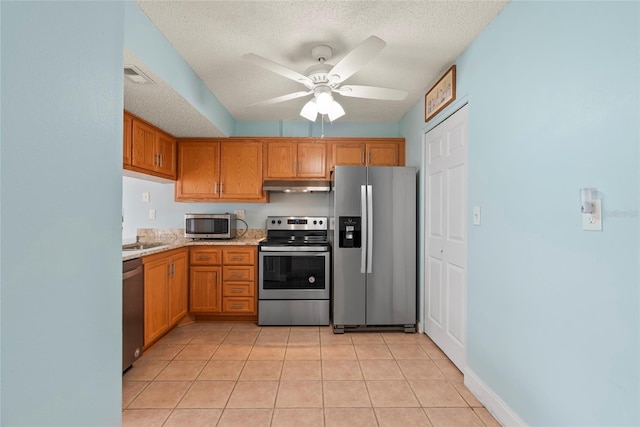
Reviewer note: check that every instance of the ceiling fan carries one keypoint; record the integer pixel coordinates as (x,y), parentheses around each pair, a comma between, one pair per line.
(323,79)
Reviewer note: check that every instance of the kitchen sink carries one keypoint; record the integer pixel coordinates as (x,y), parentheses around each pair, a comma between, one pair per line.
(141,246)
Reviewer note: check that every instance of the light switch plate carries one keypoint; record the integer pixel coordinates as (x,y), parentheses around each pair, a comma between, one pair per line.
(146,197)
(476,215)
(152,214)
(593,221)
(239,213)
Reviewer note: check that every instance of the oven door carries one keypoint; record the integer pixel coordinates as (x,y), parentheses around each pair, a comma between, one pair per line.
(294,275)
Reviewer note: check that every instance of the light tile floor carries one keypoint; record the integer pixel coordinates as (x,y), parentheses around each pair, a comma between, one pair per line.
(241,374)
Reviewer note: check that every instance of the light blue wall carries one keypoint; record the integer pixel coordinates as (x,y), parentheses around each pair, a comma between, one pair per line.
(316,129)
(553,311)
(148,44)
(170,214)
(60,175)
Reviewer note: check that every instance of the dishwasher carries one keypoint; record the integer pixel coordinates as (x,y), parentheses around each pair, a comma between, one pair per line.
(132,311)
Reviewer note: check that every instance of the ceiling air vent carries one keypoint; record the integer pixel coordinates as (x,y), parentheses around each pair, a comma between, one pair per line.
(134,74)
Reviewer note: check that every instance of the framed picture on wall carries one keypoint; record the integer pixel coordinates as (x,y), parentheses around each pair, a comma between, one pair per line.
(441,94)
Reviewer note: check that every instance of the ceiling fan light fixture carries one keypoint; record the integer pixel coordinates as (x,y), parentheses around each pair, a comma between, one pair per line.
(336,111)
(310,110)
(324,101)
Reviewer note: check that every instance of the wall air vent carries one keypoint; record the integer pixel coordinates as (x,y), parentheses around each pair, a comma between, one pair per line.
(134,74)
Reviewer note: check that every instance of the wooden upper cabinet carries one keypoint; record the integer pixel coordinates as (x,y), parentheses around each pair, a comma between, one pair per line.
(349,154)
(295,159)
(143,154)
(383,154)
(127,129)
(353,152)
(198,170)
(312,160)
(166,149)
(151,150)
(216,169)
(241,170)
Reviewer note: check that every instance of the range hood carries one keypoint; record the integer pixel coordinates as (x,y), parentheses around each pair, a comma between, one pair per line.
(297,186)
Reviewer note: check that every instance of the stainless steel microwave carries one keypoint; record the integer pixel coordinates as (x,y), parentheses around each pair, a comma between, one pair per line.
(210,226)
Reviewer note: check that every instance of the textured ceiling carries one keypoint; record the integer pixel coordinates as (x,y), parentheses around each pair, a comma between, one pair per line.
(423,39)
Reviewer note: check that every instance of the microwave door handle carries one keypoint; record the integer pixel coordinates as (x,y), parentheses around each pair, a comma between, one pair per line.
(369,228)
(363,213)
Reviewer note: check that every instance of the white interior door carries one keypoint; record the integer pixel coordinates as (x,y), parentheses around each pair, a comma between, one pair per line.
(446,236)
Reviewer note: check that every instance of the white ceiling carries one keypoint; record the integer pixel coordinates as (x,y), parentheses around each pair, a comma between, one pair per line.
(423,39)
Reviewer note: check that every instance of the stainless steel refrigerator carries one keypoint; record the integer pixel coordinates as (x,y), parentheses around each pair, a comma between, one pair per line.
(374,247)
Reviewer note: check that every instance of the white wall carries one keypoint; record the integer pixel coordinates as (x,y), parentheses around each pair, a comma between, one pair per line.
(60,197)
(553,311)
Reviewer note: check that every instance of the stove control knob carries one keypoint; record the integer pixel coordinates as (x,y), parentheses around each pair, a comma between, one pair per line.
(320,222)
(279,222)
(315,222)
(273,221)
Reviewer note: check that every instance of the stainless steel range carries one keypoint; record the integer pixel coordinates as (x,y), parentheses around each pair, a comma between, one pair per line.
(294,280)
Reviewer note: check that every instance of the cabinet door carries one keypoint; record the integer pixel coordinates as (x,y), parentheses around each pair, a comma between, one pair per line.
(205,289)
(281,160)
(382,154)
(198,171)
(127,129)
(178,288)
(241,170)
(349,154)
(156,315)
(166,154)
(143,154)
(311,160)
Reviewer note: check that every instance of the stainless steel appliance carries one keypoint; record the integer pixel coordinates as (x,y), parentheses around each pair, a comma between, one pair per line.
(210,226)
(374,247)
(294,279)
(132,311)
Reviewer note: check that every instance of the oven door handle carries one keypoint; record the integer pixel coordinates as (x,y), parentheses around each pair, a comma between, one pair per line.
(294,253)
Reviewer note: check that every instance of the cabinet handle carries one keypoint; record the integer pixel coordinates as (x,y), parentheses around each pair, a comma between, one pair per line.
(362,157)
(160,157)
(369,159)
(237,258)
(237,306)
(236,290)
(155,159)
(215,188)
(236,274)
(204,257)
(221,185)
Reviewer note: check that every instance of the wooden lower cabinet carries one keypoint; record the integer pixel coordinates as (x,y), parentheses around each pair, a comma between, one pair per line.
(165,292)
(222,281)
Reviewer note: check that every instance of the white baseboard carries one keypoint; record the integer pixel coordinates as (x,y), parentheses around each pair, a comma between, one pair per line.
(491,401)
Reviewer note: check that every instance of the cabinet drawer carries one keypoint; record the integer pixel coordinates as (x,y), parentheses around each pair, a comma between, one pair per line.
(238,289)
(205,255)
(239,256)
(240,273)
(238,305)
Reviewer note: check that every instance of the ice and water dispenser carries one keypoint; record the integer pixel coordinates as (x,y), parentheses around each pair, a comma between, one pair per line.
(350,233)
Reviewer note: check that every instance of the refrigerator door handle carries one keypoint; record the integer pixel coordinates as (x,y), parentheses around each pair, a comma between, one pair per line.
(364,213)
(369,242)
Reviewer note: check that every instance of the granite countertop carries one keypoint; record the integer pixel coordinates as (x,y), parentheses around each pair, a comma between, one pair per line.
(174,239)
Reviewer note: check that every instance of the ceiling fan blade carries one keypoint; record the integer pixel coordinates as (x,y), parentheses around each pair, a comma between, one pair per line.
(278,69)
(372,92)
(357,58)
(282,98)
